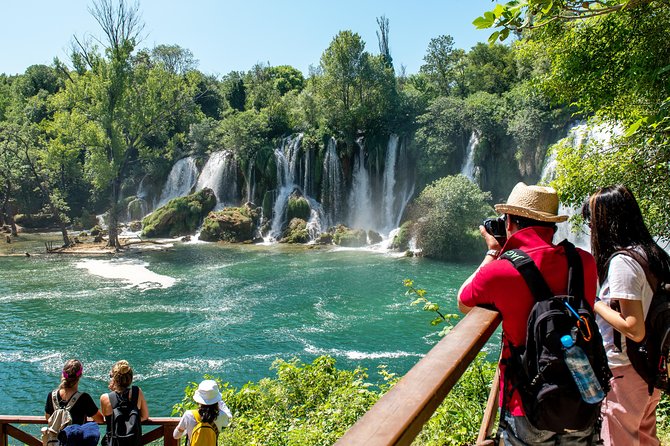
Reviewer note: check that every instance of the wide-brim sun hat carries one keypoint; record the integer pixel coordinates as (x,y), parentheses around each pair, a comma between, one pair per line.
(534,202)
(207,393)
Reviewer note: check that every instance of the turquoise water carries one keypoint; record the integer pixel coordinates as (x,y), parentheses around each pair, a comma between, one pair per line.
(200,309)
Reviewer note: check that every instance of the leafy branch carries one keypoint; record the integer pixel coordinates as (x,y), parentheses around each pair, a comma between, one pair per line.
(449,318)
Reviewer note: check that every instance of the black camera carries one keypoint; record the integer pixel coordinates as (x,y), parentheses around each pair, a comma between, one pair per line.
(496,227)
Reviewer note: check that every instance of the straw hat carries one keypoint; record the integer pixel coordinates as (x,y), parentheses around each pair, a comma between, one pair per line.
(207,393)
(535,202)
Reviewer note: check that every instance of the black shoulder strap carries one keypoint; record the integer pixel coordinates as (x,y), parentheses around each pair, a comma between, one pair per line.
(134,395)
(528,270)
(575,270)
(534,279)
(113,399)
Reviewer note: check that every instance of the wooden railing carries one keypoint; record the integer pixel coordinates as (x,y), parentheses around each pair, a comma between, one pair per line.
(9,423)
(397,418)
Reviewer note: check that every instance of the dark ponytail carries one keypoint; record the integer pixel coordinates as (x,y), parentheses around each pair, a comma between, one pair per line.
(209,413)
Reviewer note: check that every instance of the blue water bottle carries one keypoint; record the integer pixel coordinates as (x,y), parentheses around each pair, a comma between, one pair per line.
(582,372)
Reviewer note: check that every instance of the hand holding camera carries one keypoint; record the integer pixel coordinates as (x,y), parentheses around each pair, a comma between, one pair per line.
(495,227)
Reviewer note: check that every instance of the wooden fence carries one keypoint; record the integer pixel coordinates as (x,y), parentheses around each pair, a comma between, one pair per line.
(11,426)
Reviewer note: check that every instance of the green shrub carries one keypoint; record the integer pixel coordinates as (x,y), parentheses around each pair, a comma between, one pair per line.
(451,210)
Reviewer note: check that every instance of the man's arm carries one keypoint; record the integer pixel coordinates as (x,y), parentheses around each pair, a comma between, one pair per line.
(492,245)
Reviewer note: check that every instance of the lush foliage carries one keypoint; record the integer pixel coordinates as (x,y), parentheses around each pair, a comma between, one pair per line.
(314,404)
(451,209)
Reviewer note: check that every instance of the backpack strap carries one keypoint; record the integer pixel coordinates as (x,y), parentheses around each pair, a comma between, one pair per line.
(534,279)
(73,399)
(134,395)
(54,399)
(113,399)
(575,270)
(530,273)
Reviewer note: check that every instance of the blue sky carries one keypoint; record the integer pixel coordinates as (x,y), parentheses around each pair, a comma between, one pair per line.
(227,35)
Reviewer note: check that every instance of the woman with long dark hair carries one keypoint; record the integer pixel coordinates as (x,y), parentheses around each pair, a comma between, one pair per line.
(211,412)
(624,249)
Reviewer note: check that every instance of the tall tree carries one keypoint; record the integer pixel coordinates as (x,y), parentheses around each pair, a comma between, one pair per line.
(129,103)
(441,63)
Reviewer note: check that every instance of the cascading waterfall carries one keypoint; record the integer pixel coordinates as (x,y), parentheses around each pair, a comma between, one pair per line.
(361,213)
(388,195)
(331,191)
(579,135)
(220,175)
(468,168)
(180,181)
(139,207)
(397,186)
(287,167)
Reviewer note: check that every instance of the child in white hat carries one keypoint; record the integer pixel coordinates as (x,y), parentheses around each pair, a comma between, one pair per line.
(211,410)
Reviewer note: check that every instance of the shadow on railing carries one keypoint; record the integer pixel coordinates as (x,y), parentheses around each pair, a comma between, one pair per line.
(398,416)
(8,428)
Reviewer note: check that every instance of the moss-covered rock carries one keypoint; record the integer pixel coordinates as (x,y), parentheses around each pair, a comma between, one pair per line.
(374,237)
(35,221)
(296,232)
(353,238)
(298,207)
(137,208)
(403,236)
(232,224)
(180,216)
(325,238)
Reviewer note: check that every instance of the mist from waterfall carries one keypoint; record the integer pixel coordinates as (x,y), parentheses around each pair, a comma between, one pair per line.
(180,181)
(287,157)
(361,213)
(332,187)
(220,175)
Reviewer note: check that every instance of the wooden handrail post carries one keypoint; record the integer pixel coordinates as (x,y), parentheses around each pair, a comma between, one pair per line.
(398,416)
(3,434)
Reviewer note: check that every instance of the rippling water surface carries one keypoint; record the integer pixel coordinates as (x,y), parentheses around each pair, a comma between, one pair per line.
(206,309)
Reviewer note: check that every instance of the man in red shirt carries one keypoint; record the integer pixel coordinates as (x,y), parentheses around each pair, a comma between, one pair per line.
(530,215)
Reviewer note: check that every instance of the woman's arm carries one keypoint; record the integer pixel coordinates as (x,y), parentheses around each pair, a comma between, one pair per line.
(98,418)
(105,406)
(142,404)
(630,322)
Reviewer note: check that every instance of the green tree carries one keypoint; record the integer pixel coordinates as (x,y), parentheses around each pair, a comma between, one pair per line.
(610,60)
(130,103)
(442,63)
(450,210)
(441,137)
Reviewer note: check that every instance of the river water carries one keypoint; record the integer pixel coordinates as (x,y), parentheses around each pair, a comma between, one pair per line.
(198,309)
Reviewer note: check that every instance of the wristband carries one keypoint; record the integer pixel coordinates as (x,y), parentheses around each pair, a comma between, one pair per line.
(493,253)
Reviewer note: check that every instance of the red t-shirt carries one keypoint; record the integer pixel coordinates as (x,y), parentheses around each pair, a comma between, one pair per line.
(499,284)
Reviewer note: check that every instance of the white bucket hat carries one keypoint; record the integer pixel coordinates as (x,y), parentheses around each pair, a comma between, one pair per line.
(207,393)
(535,202)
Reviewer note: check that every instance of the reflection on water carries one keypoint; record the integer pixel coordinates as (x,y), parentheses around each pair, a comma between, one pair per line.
(207,309)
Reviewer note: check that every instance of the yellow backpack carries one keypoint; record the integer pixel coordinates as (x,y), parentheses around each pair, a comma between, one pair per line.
(203,434)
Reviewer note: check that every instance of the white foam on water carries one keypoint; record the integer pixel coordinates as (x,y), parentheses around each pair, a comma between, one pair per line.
(356,355)
(133,273)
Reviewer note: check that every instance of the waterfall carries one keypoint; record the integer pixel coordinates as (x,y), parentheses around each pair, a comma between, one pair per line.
(579,135)
(468,168)
(388,195)
(361,213)
(180,181)
(287,167)
(331,192)
(251,182)
(220,175)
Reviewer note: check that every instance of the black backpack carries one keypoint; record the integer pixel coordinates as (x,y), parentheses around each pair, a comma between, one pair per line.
(649,357)
(126,427)
(549,394)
